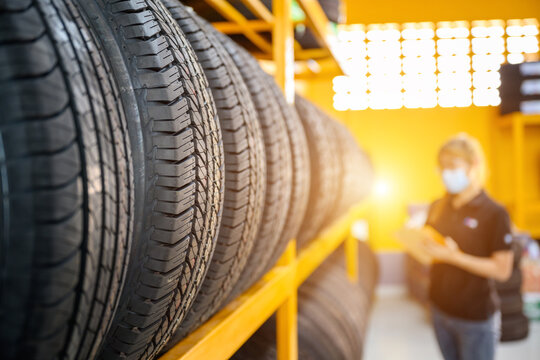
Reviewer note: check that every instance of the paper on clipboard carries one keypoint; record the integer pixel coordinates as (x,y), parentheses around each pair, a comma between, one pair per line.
(413,239)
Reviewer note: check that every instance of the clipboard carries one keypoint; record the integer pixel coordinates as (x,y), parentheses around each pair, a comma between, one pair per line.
(412,239)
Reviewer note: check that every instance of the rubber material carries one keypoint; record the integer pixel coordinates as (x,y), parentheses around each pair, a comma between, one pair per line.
(324,184)
(244,168)
(278,165)
(180,180)
(301,173)
(66,183)
(335,166)
(332,313)
(357,175)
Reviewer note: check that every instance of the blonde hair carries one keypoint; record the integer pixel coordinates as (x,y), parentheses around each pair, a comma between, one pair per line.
(468,148)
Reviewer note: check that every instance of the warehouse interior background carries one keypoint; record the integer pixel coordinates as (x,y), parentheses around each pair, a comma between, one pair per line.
(403,142)
(251,179)
(403,139)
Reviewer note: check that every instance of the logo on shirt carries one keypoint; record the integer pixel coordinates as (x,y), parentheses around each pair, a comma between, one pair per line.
(470,222)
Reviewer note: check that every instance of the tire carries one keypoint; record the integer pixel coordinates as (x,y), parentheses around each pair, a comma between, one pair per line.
(357,172)
(301,174)
(244,168)
(336,165)
(67,184)
(278,165)
(323,185)
(332,314)
(511,304)
(179,176)
(514,327)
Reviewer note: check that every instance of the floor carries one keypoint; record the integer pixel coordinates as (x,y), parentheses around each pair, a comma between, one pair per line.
(399,329)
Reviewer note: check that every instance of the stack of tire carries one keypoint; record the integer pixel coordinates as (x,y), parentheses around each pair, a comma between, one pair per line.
(514,324)
(150,172)
(332,313)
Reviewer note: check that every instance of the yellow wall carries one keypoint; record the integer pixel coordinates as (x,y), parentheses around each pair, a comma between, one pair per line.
(403,11)
(403,145)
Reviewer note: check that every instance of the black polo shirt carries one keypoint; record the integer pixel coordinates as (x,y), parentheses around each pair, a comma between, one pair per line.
(480,228)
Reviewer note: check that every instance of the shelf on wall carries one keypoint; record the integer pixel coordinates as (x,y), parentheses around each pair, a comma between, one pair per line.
(507,121)
(276,292)
(521,207)
(308,61)
(226,332)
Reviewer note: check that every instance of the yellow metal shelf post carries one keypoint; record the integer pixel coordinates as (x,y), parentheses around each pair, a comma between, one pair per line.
(351,255)
(521,205)
(286,315)
(283,47)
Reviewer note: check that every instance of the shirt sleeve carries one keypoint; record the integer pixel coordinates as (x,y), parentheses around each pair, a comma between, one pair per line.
(501,238)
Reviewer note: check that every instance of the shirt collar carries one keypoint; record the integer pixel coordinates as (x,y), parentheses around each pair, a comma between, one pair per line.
(475,202)
(478,200)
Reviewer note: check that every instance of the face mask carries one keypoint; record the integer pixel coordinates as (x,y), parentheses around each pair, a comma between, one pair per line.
(455,180)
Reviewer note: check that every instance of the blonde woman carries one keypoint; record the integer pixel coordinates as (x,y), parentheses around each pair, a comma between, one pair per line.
(465,306)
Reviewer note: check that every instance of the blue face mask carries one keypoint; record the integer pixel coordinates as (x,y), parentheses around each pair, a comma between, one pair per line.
(455,180)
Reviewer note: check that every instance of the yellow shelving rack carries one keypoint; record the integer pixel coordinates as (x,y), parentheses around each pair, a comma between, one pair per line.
(520,205)
(276,292)
(226,332)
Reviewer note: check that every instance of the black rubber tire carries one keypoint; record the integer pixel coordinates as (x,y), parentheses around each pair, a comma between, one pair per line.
(512,285)
(357,171)
(336,164)
(179,178)
(511,304)
(514,327)
(301,173)
(278,165)
(332,313)
(244,168)
(66,183)
(323,172)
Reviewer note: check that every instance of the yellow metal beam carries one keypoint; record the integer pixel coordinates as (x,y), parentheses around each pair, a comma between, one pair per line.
(317,21)
(228,27)
(259,10)
(222,335)
(283,51)
(225,332)
(230,13)
(311,54)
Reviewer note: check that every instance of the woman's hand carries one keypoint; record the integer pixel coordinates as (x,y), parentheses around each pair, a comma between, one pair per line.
(442,253)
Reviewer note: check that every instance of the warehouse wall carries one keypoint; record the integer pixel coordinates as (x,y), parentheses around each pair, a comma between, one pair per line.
(403,145)
(404,11)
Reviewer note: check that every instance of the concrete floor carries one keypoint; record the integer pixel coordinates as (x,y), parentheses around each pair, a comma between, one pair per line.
(399,329)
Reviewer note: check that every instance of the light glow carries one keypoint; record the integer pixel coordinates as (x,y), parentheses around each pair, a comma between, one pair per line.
(426,64)
(381,188)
